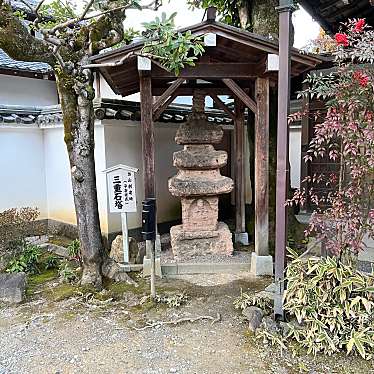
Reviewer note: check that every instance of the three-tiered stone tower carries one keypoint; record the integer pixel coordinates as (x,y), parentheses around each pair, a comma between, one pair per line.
(198,184)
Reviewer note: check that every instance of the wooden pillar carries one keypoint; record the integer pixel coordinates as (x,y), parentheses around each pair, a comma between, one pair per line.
(285,9)
(262,168)
(239,171)
(147,130)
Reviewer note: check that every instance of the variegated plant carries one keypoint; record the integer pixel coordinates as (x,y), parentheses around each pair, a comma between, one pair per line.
(333,304)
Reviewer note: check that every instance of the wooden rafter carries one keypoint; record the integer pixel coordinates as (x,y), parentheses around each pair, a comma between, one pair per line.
(162,108)
(222,105)
(166,95)
(241,94)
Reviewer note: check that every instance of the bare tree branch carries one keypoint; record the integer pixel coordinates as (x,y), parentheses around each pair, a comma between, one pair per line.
(86,9)
(39,6)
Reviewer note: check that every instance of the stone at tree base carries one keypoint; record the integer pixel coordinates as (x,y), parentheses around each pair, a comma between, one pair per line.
(136,253)
(189,244)
(254,316)
(12,288)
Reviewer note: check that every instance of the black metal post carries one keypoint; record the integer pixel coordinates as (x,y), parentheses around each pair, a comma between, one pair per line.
(285,9)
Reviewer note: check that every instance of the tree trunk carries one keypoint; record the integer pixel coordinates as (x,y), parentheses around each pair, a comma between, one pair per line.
(79,123)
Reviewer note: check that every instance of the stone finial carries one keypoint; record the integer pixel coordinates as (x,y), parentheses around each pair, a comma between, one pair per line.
(198,102)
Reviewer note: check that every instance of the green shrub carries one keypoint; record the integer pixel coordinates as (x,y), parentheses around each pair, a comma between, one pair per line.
(51,262)
(74,249)
(245,300)
(27,262)
(66,273)
(333,305)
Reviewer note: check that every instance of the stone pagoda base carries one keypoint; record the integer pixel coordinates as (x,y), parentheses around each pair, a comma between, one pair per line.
(189,244)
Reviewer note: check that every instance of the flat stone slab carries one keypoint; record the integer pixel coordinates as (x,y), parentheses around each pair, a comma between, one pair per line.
(12,287)
(204,268)
(185,247)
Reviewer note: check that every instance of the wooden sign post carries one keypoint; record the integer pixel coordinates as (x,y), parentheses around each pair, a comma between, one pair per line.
(122,198)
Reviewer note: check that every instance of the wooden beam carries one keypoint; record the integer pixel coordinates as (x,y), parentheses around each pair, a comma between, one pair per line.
(169,92)
(212,70)
(240,94)
(222,106)
(161,109)
(239,168)
(188,91)
(147,131)
(262,168)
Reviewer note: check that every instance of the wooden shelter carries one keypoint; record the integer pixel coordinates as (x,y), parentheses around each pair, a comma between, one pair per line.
(330,13)
(236,63)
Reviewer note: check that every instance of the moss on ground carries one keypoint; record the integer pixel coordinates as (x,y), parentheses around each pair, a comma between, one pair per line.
(37,281)
(62,241)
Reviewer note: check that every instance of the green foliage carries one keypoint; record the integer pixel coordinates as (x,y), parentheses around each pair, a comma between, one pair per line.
(56,12)
(66,273)
(20,14)
(27,262)
(228,9)
(245,300)
(173,49)
(74,249)
(51,262)
(333,304)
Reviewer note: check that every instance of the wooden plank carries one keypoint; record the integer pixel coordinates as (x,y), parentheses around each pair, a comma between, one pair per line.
(240,94)
(169,91)
(239,168)
(160,110)
(147,131)
(212,70)
(262,168)
(222,106)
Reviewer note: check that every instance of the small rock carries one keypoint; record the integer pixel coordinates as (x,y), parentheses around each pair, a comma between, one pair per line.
(136,254)
(270,325)
(12,287)
(254,316)
(173,370)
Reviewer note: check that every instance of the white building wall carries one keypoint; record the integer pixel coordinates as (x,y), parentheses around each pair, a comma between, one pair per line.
(22,172)
(58,182)
(295,155)
(123,145)
(27,91)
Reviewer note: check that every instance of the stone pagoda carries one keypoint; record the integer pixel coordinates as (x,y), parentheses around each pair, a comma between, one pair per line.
(198,184)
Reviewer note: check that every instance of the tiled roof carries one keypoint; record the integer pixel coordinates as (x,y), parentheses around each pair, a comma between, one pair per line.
(20,5)
(35,67)
(104,109)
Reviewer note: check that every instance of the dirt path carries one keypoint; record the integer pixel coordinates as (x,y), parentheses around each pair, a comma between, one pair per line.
(74,336)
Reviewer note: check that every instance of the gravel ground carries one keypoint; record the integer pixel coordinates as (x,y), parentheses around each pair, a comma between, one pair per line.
(83,335)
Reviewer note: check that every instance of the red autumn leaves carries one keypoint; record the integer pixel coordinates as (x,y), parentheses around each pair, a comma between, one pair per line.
(342,39)
(362,79)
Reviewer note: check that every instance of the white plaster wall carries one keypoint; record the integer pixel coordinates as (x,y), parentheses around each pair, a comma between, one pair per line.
(22,172)
(58,182)
(295,155)
(123,145)
(27,91)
